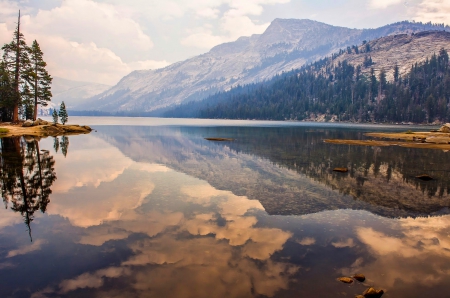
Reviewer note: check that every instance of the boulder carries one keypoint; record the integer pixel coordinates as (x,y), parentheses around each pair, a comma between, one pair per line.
(39,121)
(372,293)
(445,128)
(346,280)
(28,123)
(359,277)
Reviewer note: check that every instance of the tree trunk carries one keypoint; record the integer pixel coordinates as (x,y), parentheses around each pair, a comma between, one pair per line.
(35,94)
(16,74)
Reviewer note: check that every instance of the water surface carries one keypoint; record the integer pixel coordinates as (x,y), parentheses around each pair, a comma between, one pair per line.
(149,208)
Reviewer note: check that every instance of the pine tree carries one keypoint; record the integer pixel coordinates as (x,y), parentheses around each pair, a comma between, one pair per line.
(63,113)
(55,116)
(17,62)
(6,93)
(41,80)
(64,145)
(396,73)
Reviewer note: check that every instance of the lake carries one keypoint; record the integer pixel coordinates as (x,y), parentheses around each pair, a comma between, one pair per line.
(149,208)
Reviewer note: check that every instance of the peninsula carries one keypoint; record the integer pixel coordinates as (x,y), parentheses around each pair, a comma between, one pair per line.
(41,128)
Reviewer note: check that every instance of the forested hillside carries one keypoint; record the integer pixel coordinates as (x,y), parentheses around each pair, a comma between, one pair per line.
(339,91)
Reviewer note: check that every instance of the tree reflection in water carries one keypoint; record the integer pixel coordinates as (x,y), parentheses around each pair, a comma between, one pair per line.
(27,175)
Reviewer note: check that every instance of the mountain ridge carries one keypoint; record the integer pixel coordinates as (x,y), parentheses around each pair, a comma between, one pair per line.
(286,44)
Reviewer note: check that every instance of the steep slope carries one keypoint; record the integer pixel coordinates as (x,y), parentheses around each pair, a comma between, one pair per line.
(403,50)
(286,44)
(343,87)
(74,92)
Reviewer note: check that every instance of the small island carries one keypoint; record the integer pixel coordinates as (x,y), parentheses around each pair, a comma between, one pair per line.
(435,139)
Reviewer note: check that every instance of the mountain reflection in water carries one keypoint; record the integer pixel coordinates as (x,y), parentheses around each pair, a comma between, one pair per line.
(161,212)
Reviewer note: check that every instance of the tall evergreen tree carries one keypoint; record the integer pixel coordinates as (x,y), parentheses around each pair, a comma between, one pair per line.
(17,62)
(41,80)
(55,116)
(63,113)
(6,94)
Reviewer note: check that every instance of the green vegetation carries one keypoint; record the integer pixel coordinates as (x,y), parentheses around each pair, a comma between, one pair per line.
(24,82)
(55,116)
(323,88)
(63,113)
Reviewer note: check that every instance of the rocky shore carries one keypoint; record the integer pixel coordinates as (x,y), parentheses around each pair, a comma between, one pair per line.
(436,139)
(41,128)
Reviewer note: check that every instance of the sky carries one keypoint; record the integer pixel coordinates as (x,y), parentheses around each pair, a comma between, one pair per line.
(103,40)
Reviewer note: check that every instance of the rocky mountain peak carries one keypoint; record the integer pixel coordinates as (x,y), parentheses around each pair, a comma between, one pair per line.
(286,44)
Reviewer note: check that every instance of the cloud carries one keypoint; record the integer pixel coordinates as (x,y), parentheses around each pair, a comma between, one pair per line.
(382,4)
(86,21)
(345,243)
(36,245)
(424,244)
(180,250)
(233,25)
(307,241)
(436,11)
(85,40)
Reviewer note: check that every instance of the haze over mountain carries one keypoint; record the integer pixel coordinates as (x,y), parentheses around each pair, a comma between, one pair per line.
(286,44)
(73,92)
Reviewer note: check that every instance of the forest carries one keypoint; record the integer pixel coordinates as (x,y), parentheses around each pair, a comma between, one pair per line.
(421,96)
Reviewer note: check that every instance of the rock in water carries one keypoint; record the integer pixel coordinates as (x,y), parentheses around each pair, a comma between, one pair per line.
(341,170)
(425,177)
(445,128)
(218,139)
(346,280)
(359,277)
(372,293)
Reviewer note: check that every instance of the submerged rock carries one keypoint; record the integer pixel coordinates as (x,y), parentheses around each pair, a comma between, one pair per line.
(346,280)
(359,277)
(218,139)
(372,293)
(425,177)
(341,170)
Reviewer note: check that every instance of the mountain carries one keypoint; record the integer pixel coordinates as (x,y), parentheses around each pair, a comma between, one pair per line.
(73,92)
(286,44)
(400,78)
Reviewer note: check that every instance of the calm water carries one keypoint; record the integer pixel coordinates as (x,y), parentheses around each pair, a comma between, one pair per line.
(148,208)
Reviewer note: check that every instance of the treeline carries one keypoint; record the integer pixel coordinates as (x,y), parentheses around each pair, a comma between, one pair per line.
(341,90)
(24,81)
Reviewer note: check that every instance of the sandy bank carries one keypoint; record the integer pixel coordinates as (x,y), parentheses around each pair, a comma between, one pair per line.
(45,130)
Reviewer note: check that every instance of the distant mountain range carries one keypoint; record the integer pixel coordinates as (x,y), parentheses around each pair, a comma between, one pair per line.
(286,44)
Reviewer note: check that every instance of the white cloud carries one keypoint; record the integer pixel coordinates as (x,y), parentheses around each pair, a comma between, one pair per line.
(36,245)
(382,4)
(232,27)
(84,40)
(307,241)
(85,21)
(436,11)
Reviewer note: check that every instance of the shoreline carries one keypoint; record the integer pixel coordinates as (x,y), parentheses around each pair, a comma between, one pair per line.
(42,130)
